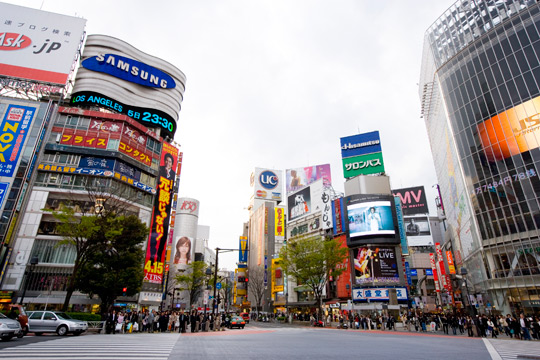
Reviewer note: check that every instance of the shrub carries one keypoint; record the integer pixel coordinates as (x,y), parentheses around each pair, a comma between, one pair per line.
(84,316)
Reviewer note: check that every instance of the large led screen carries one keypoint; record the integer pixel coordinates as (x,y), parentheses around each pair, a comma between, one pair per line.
(375,265)
(371,218)
(511,132)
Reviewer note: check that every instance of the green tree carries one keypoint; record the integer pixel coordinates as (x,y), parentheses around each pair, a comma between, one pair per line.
(117,262)
(193,279)
(311,260)
(81,232)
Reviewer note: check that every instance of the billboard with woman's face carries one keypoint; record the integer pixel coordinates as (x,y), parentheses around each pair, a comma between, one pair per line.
(182,255)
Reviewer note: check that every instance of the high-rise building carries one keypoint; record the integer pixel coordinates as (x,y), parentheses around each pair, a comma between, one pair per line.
(480,93)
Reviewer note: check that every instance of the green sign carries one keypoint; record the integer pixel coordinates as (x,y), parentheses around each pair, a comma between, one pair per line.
(363,165)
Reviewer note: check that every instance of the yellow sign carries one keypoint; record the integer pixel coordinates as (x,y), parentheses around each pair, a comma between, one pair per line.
(277,276)
(280,221)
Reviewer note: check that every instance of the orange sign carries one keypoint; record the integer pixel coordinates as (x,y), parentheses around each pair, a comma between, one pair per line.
(511,132)
(450,261)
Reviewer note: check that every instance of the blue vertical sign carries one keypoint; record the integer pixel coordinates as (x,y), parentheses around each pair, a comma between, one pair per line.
(3,191)
(408,272)
(242,254)
(14,129)
(401,226)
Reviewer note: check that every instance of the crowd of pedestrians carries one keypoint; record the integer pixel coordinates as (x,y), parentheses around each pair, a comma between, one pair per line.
(522,327)
(164,321)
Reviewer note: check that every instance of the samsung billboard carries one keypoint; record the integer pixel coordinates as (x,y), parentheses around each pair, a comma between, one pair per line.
(119,77)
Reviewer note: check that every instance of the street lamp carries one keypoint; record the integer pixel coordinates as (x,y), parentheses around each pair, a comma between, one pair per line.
(464,273)
(29,270)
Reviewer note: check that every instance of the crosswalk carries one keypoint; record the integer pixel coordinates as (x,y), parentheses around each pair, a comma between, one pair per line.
(98,347)
(516,349)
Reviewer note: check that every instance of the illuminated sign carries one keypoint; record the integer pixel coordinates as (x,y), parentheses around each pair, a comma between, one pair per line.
(14,130)
(363,165)
(413,200)
(243,256)
(154,261)
(145,116)
(130,70)
(279,221)
(511,132)
(378,294)
(360,144)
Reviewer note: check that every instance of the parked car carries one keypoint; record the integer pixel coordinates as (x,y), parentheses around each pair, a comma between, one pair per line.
(237,321)
(9,328)
(245,316)
(40,322)
(17,312)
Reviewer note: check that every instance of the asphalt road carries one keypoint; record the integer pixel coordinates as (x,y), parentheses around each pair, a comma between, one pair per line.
(267,341)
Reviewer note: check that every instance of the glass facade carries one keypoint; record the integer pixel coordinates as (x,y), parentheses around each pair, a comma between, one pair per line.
(481,87)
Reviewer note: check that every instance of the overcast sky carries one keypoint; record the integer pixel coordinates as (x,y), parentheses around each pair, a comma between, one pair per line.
(275,84)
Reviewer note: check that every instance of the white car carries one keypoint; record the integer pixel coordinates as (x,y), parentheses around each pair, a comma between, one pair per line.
(9,327)
(40,322)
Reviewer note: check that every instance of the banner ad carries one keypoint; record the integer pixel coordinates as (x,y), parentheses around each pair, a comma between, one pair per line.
(301,177)
(413,200)
(155,252)
(375,265)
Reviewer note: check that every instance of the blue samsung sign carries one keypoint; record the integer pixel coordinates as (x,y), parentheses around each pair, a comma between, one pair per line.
(130,70)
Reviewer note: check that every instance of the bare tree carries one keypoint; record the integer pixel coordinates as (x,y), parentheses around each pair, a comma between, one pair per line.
(256,286)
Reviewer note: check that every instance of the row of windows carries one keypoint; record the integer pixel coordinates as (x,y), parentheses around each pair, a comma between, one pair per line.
(515,260)
(83,182)
(483,81)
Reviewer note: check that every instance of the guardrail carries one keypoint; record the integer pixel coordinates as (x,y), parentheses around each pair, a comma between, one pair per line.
(96,326)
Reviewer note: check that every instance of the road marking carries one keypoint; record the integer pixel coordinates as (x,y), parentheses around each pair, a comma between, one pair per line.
(492,352)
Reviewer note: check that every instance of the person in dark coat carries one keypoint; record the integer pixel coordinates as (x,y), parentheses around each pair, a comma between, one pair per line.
(183,319)
(193,320)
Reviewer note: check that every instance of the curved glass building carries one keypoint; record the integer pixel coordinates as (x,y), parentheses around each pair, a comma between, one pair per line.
(480,92)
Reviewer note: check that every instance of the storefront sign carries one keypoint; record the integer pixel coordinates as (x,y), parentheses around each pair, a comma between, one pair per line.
(450,260)
(378,294)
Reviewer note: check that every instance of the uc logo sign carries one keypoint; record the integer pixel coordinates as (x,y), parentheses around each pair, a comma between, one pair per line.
(268,180)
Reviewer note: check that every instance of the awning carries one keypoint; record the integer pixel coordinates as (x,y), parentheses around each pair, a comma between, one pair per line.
(302,303)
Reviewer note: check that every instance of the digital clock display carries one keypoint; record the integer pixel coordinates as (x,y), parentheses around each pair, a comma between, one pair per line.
(148,117)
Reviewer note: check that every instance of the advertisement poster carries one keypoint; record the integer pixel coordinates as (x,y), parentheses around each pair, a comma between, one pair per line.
(418,231)
(413,200)
(14,129)
(155,252)
(299,178)
(38,45)
(375,265)
(299,204)
(182,254)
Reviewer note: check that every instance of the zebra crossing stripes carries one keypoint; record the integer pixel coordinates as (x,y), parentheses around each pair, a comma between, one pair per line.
(99,347)
(516,349)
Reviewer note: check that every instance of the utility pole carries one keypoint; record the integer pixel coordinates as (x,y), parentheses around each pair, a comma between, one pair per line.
(214,303)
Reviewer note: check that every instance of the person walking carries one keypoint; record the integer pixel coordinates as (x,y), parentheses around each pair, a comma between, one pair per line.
(193,321)
(150,321)
(525,324)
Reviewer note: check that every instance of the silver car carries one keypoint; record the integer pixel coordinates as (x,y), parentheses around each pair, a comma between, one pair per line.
(9,328)
(40,322)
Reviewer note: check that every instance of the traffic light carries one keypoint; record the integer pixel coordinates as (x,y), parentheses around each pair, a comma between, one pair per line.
(246,279)
(124,290)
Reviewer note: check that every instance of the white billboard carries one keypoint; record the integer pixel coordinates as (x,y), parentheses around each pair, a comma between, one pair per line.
(38,45)
(418,230)
(268,184)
